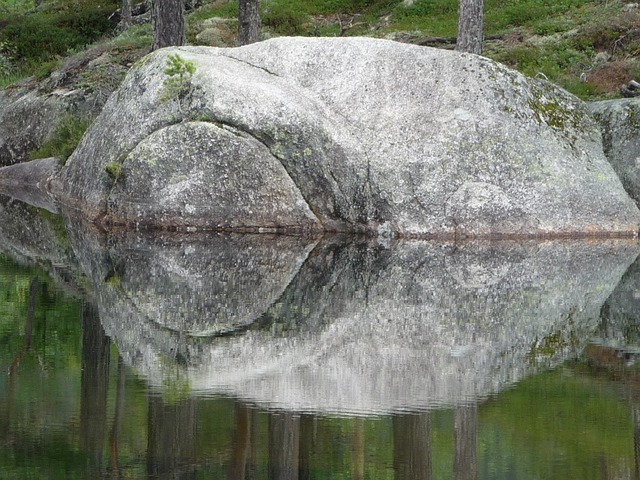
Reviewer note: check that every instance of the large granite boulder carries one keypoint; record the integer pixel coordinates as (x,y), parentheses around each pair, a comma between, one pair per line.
(620,121)
(350,135)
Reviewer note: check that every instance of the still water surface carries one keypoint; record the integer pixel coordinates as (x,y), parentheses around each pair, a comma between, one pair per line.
(253,357)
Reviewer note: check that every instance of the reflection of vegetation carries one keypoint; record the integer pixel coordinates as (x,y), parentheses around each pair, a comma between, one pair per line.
(64,139)
(112,278)
(57,224)
(553,344)
(175,385)
(40,401)
(558,416)
(40,355)
(114,170)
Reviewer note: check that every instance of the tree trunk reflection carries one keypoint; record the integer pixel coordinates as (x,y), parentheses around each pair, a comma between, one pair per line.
(244,460)
(284,446)
(171,449)
(412,446)
(34,288)
(307,445)
(117,418)
(635,412)
(465,465)
(94,385)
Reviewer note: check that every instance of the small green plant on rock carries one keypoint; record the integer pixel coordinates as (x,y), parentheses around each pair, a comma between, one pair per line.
(177,84)
(114,170)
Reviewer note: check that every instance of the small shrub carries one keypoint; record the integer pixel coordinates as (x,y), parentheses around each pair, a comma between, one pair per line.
(42,69)
(284,18)
(101,80)
(135,37)
(64,138)
(42,36)
(425,8)
(12,78)
(223,9)
(114,170)
(7,53)
(178,78)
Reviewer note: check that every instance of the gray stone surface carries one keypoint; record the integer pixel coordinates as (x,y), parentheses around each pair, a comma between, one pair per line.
(197,174)
(620,326)
(620,122)
(374,134)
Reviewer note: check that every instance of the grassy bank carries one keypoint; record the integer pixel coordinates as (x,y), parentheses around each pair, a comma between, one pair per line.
(589,47)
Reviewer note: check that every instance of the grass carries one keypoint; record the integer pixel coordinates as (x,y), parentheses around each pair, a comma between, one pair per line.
(32,40)
(64,139)
(562,40)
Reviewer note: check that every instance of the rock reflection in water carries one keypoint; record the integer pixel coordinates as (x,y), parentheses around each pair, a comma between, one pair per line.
(347,326)
(329,326)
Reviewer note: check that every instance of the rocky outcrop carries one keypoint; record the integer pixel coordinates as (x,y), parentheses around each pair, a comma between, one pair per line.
(31,110)
(620,122)
(27,119)
(346,135)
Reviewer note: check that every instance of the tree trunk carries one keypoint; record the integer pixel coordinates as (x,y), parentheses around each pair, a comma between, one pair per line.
(248,22)
(470,23)
(167,19)
(125,15)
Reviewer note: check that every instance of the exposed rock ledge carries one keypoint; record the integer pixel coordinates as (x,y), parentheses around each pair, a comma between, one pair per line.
(358,135)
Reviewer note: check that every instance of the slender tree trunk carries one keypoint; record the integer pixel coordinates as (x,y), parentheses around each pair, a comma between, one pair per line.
(248,22)
(470,24)
(167,19)
(125,15)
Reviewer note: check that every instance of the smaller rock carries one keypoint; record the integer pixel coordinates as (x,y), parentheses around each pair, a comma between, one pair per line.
(214,36)
(631,89)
